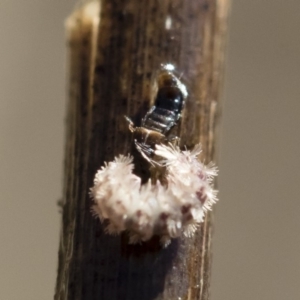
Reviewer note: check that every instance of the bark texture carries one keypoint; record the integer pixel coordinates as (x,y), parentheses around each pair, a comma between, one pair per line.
(114,53)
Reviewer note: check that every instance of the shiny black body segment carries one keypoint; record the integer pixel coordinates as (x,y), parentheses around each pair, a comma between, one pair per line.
(169,102)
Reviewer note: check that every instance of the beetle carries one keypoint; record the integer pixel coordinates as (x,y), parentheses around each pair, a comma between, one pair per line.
(156,126)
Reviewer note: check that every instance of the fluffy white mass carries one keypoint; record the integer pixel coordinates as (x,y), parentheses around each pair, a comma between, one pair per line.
(153,209)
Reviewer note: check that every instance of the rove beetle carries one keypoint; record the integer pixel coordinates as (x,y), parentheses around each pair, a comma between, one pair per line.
(156,126)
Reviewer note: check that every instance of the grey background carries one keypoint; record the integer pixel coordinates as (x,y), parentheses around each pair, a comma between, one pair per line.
(256,242)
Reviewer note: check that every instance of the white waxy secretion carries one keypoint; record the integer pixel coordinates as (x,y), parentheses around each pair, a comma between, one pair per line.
(153,209)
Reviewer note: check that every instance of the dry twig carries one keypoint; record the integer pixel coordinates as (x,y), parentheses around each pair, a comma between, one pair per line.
(113,55)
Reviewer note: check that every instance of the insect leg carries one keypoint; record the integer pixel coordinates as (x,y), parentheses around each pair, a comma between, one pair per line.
(130,124)
(146,151)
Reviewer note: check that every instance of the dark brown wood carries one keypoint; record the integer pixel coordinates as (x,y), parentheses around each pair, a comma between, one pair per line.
(112,64)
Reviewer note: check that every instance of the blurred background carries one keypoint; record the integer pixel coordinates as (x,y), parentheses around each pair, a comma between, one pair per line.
(257,230)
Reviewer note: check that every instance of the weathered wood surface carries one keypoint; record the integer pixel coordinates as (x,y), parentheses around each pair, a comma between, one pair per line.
(111,66)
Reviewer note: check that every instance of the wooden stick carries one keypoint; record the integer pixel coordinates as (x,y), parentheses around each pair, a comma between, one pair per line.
(113,57)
